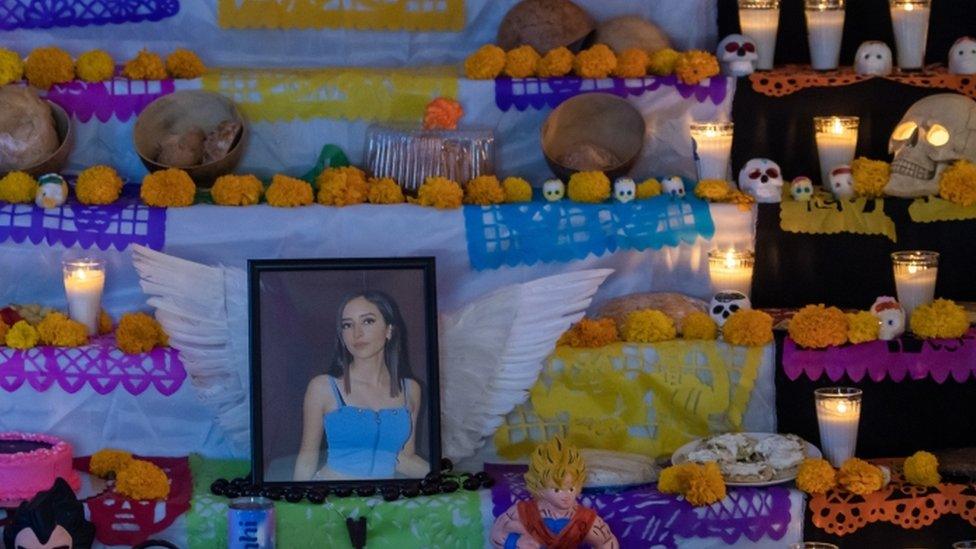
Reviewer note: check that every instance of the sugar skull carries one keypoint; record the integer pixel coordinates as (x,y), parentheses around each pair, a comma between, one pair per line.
(890,315)
(935,132)
(962,56)
(762,178)
(737,53)
(801,189)
(725,303)
(673,186)
(553,190)
(52,191)
(624,189)
(873,58)
(842,182)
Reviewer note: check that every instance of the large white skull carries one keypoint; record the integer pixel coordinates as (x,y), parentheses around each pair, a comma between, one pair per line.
(725,303)
(890,315)
(553,190)
(842,182)
(801,189)
(935,132)
(624,189)
(962,56)
(873,58)
(673,186)
(762,178)
(737,53)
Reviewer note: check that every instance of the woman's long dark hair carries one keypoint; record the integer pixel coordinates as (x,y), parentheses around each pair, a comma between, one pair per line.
(394,352)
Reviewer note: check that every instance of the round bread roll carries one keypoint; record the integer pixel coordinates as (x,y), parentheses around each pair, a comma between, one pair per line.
(677,306)
(544,25)
(630,31)
(27,132)
(606,468)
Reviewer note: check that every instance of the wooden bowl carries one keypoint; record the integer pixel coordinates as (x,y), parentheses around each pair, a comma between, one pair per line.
(66,136)
(179,112)
(599,119)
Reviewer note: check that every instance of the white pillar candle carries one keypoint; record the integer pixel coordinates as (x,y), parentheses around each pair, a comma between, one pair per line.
(838,414)
(836,142)
(915,275)
(713,146)
(84,280)
(910,20)
(825,29)
(731,270)
(760,20)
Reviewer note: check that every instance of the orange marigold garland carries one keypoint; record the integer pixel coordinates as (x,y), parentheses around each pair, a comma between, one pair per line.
(288,192)
(922,468)
(698,325)
(705,485)
(647,326)
(817,327)
(598,61)
(517,190)
(485,63)
(749,328)
(591,332)
(142,480)
(237,190)
(105,323)
(816,476)
(385,190)
(484,190)
(60,331)
(46,67)
(95,66)
(696,65)
(343,186)
(442,113)
(632,63)
(521,62)
(139,333)
(18,188)
(109,462)
(440,192)
(22,336)
(860,477)
(183,63)
(593,187)
(942,319)
(146,65)
(98,185)
(171,188)
(11,66)
(557,62)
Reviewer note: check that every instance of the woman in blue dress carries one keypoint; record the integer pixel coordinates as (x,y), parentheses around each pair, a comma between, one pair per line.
(365,407)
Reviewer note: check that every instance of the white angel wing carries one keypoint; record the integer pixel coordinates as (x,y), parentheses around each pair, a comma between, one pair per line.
(204,311)
(492,351)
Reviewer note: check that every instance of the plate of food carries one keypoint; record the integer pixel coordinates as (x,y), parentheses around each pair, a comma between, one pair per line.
(750,459)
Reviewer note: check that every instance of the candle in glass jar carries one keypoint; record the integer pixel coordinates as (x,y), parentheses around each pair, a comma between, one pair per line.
(825,29)
(84,280)
(838,414)
(915,275)
(910,21)
(836,138)
(760,20)
(713,146)
(731,270)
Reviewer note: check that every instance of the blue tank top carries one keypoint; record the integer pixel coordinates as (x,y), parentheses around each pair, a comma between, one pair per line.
(365,443)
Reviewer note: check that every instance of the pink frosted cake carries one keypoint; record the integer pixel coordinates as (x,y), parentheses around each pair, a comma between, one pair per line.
(30,463)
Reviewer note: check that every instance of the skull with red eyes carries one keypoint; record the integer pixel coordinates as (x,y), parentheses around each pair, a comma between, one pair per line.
(737,53)
(763,179)
(842,182)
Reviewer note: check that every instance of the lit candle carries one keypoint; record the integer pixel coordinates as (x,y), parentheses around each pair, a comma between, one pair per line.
(713,146)
(84,280)
(731,270)
(825,28)
(910,19)
(760,20)
(915,276)
(838,413)
(836,142)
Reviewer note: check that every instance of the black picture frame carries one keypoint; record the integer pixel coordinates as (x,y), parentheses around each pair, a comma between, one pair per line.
(258,270)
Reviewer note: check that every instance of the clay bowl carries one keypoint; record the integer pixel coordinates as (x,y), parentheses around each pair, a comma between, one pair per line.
(66,135)
(179,112)
(598,119)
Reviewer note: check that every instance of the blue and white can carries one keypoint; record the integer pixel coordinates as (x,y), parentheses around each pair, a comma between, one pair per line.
(251,523)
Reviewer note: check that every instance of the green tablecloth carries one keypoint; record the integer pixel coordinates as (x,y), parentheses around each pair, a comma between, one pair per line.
(449,520)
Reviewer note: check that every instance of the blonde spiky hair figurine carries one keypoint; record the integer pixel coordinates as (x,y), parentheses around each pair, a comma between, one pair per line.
(553,519)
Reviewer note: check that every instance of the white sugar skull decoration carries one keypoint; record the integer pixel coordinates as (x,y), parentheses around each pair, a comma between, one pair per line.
(936,131)
(801,189)
(890,315)
(624,189)
(762,178)
(553,190)
(962,56)
(52,191)
(725,303)
(842,182)
(673,186)
(873,58)
(737,53)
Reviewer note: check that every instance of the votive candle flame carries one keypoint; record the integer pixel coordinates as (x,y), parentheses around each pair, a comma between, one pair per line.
(731,270)
(916,273)
(84,282)
(838,415)
(836,138)
(713,147)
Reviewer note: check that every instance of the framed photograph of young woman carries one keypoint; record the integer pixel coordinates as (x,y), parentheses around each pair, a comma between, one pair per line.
(343,370)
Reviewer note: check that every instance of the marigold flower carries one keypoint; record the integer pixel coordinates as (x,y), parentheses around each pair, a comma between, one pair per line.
(591,187)
(237,190)
(95,66)
(862,327)
(60,331)
(18,188)
(11,67)
(693,66)
(109,462)
(484,190)
(870,177)
(675,479)
(749,328)
(441,193)
(517,190)
(142,480)
(632,63)
(590,332)
(705,485)
(485,63)
(288,192)
(596,62)
(922,468)
(958,183)
(170,188)
(556,62)
(442,113)
(662,62)
(698,325)
(522,62)
(649,188)
(139,333)
(385,190)
(816,327)
(183,63)
(860,477)
(145,66)
(816,476)
(22,336)
(46,67)
(647,326)
(98,185)
(941,319)
(713,190)
(343,186)
(105,323)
